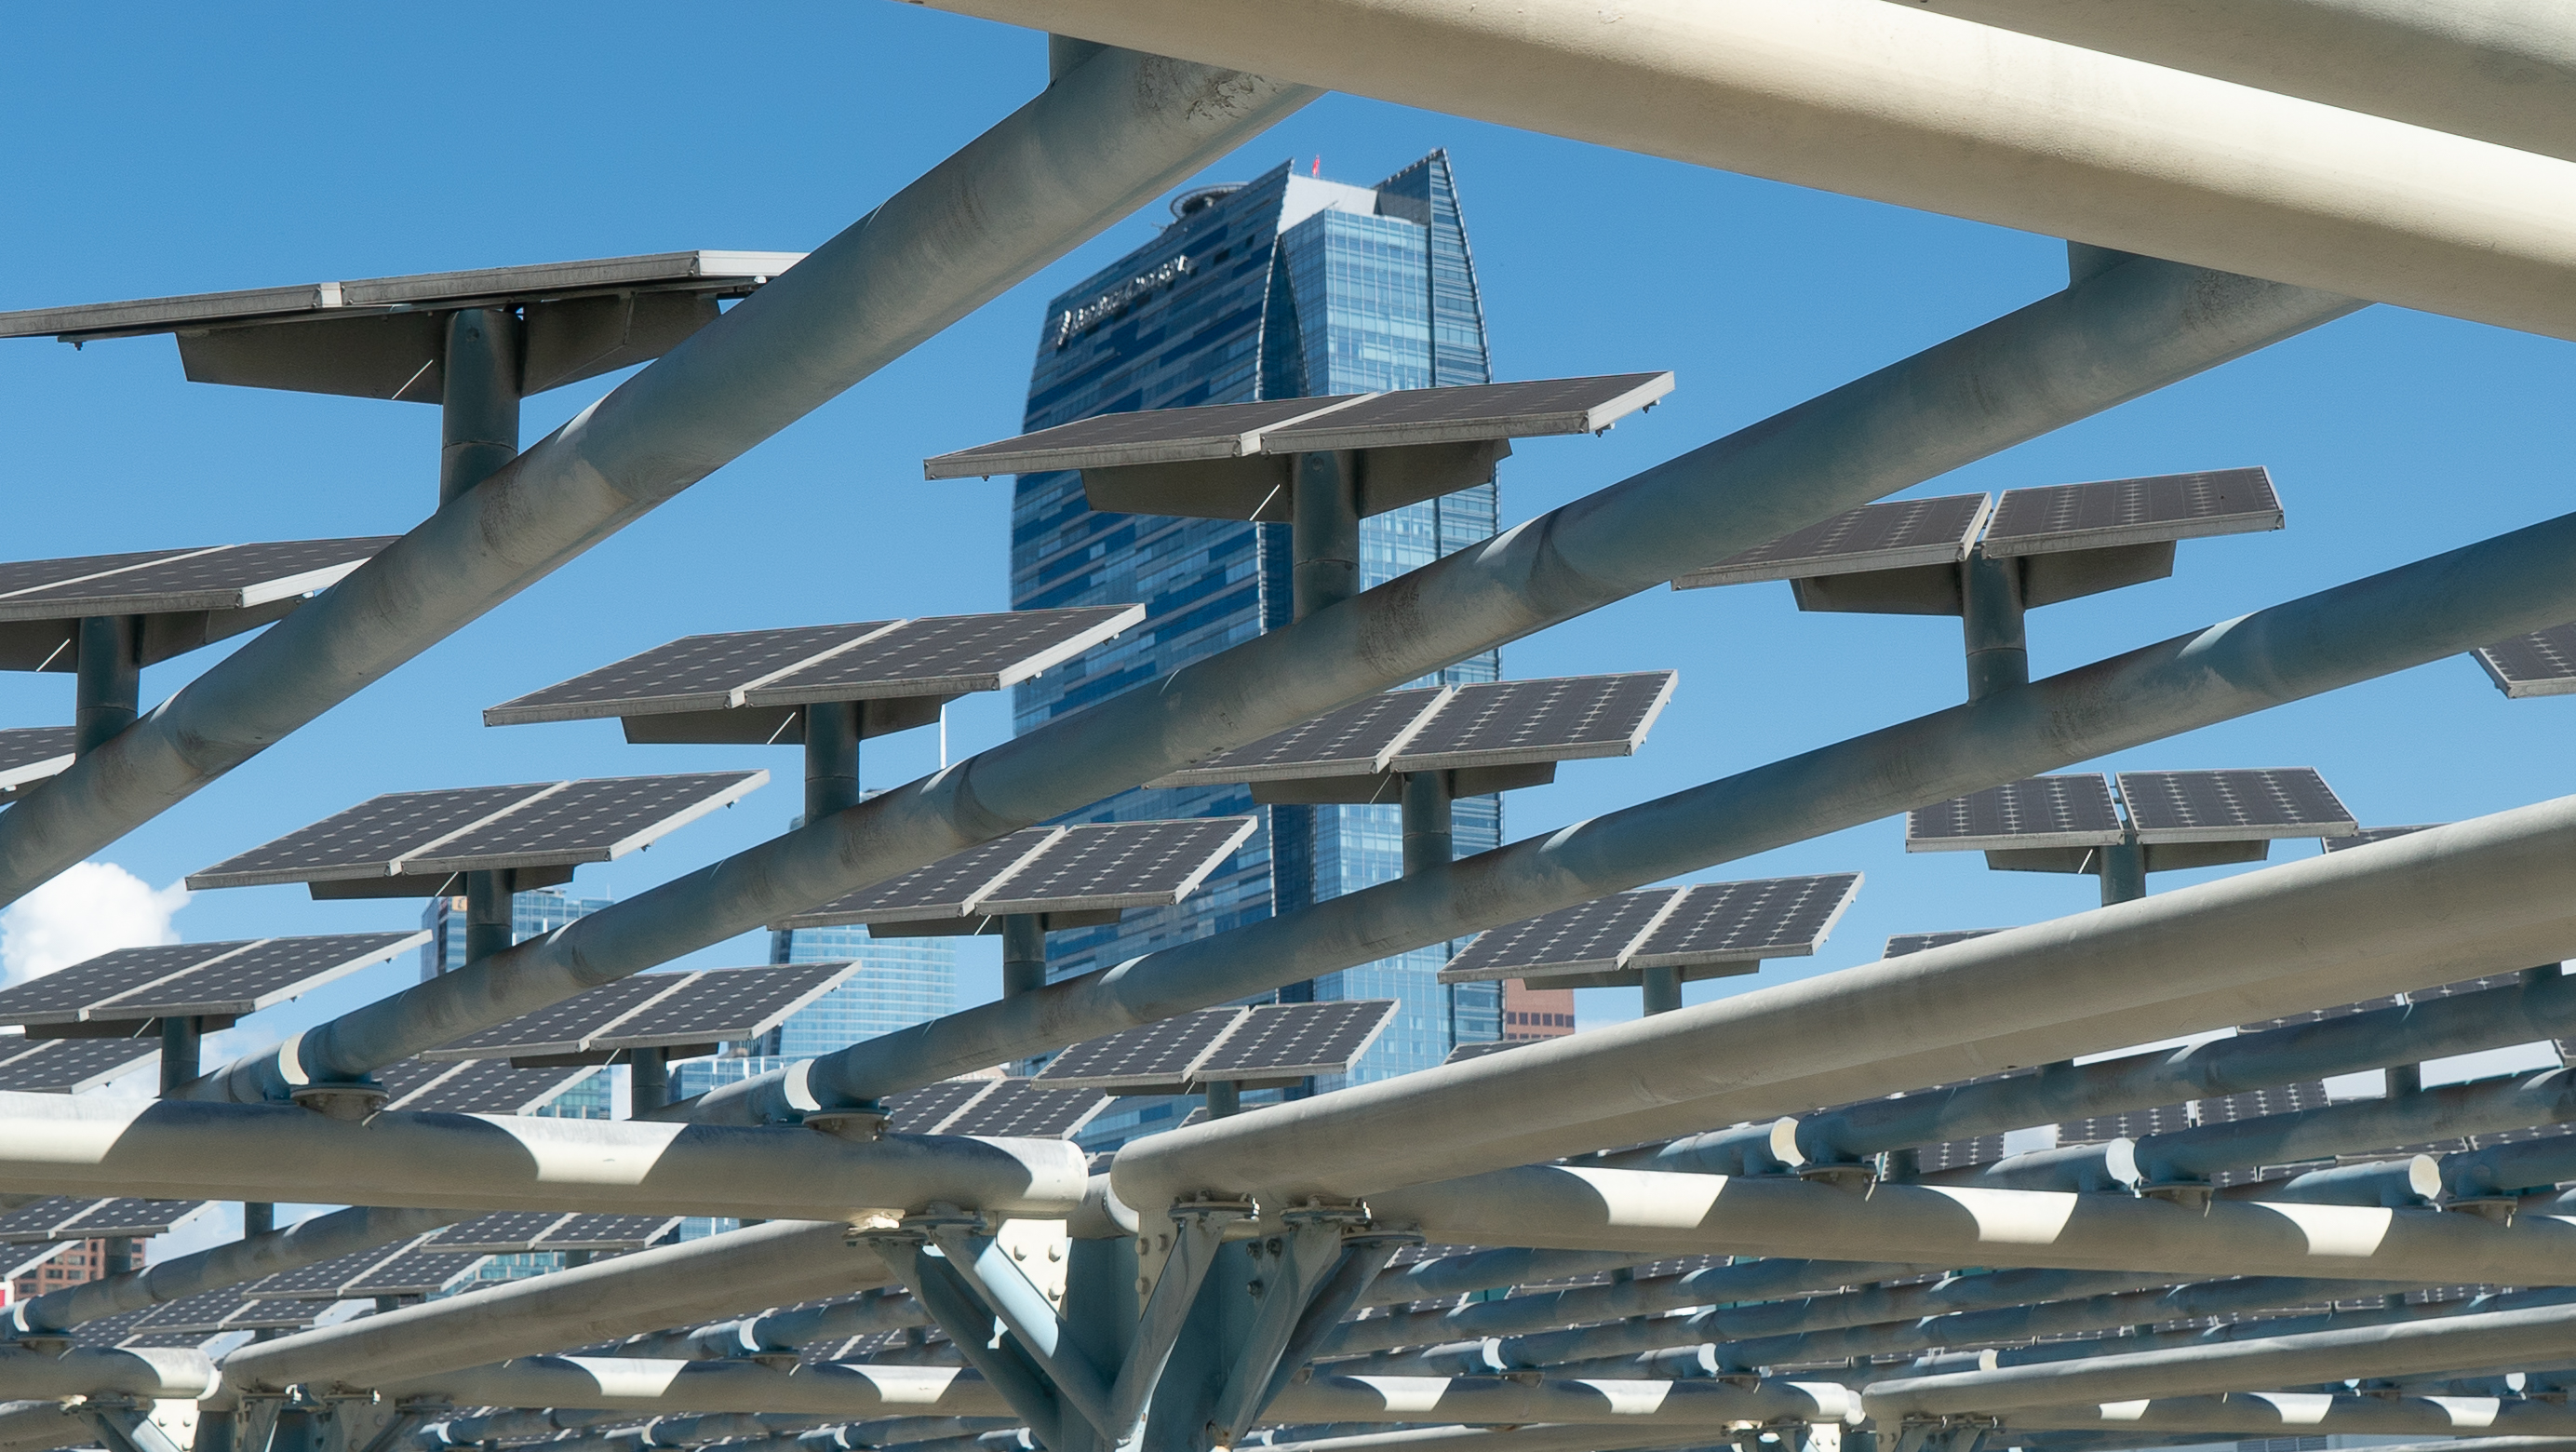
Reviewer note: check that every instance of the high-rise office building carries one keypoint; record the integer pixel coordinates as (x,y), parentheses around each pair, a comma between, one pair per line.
(533,914)
(1284,287)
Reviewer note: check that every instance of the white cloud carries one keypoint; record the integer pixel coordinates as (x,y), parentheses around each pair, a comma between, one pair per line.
(93,908)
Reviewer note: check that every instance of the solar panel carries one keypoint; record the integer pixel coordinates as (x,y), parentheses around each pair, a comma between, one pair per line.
(1893,534)
(2129,1124)
(2114,512)
(1417,416)
(1464,1052)
(225,577)
(59,996)
(494,1086)
(2256,1103)
(131,1219)
(2368,835)
(1153,1058)
(202,1314)
(725,1004)
(412,1272)
(320,1281)
(1156,436)
(2317,1015)
(1900,944)
(501,1232)
(1588,936)
(427,836)
(1099,865)
(1958,1154)
(68,1066)
(111,1330)
(1019,1109)
(949,655)
(1735,922)
(2487,984)
(33,754)
(33,1224)
(261,975)
(943,889)
(17,577)
(1289,1041)
(2040,811)
(153,1340)
(924,1110)
(2542,663)
(1356,740)
(270,1316)
(693,673)
(404,1078)
(1564,718)
(2232,806)
(607,1232)
(564,1026)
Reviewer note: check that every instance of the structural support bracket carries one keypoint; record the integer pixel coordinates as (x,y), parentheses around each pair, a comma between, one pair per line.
(953,1303)
(1363,1258)
(1018,1304)
(1299,1264)
(1198,1229)
(125,1425)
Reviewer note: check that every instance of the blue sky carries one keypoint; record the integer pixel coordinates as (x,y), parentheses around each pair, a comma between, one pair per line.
(169,151)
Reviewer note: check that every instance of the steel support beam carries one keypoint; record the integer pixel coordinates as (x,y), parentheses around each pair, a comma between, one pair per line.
(777,1332)
(1764,1215)
(2499,70)
(85,1145)
(1921,110)
(107,680)
(253,1256)
(2116,335)
(765,1265)
(2315,1414)
(2455,1342)
(2393,914)
(1098,143)
(88,1371)
(478,416)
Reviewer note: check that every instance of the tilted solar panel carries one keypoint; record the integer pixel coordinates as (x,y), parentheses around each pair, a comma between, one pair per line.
(1117,865)
(608,1232)
(1893,534)
(67,1066)
(725,1004)
(30,755)
(1595,935)
(34,1224)
(2368,835)
(2113,512)
(1019,1109)
(59,996)
(924,1110)
(1159,1053)
(2206,806)
(1413,417)
(693,673)
(1157,436)
(132,1219)
(2074,810)
(501,1232)
(1557,719)
(948,655)
(1900,944)
(227,577)
(493,1086)
(1719,922)
(943,889)
(563,1027)
(263,975)
(2542,663)
(588,821)
(413,1272)
(367,839)
(1353,741)
(1293,1040)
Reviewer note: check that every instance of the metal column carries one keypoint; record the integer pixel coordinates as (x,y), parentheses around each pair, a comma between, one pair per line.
(1325,539)
(180,1038)
(832,756)
(110,689)
(478,426)
(2123,866)
(1023,953)
(1990,620)
(488,921)
(648,1079)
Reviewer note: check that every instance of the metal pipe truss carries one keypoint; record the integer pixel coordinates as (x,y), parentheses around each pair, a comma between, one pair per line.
(87,1371)
(2315,1414)
(306,1243)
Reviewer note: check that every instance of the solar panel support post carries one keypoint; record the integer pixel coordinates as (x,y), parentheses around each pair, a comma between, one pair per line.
(490,925)
(1324,538)
(2123,866)
(1991,622)
(1661,988)
(478,424)
(1224,1097)
(180,1040)
(1427,838)
(1023,953)
(832,756)
(109,688)
(648,1080)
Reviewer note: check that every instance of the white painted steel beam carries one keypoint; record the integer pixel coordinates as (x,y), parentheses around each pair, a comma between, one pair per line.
(2524,1426)
(2498,891)
(1923,110)
(1685,1214)
(86,1371)
(89,1145)
(1098,143)
(2499,70)
(748,1269)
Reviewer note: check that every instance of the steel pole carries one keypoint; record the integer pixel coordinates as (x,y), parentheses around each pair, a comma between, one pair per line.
(1324,537)
(107,680)
(181,1037)
(491,914)
(832,731)
(478,417)
(1921,110)
(648,1081)
(1101,141)
(1023,953)
(2113,336)
(1991,624)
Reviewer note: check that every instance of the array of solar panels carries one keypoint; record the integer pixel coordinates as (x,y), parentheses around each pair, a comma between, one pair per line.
(413,843)
(32,755)
(771,674)
(993,1109)
(481,1086)
(1708,930)
(66,1217)
(1081,872)
(655,1011)
(2078,810)
(1263,1046)
(1450,728)
(2057,519)
(67,1066)
(120,991)
(158,582)
(1405,418)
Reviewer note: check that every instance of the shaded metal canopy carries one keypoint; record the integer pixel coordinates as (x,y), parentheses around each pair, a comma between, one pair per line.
(385,337)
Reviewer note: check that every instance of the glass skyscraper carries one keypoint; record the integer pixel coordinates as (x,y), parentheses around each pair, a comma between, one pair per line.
(1287,286)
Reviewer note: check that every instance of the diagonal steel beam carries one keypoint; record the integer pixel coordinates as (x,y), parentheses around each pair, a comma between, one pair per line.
(1098,143)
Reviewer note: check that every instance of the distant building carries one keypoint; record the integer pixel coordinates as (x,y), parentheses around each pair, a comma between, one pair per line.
(76,1263)
(1536,1013)
(532,914)
(1284,287)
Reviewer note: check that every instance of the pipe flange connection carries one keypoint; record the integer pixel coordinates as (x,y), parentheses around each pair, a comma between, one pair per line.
(352,1100)
(1841,1174)
(860,1126)
(1350,1217)
(2498,1208)
(2189,1194)
(928,1221)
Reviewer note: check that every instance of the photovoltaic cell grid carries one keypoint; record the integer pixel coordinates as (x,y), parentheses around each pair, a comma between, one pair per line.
(157,582)
(1900,944)
(1894,534)
(68,1217)
(2368,835)
(321,1281)
(2318,1015)
(1400,419)
(482,1086)
(923,1110)
(1020,1109)
(1711,923)
(930,656)
(67,1066)
(33,754)
(181,980)
(2231,806)
(2542,663)
(657,1010)
(1496,723)
(431,835)
(2042,811)
(1258,1046)
(1093,866)
(502,1232)
(411,1272)
(607,1232)
(2132,1124)
(2257,1103)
